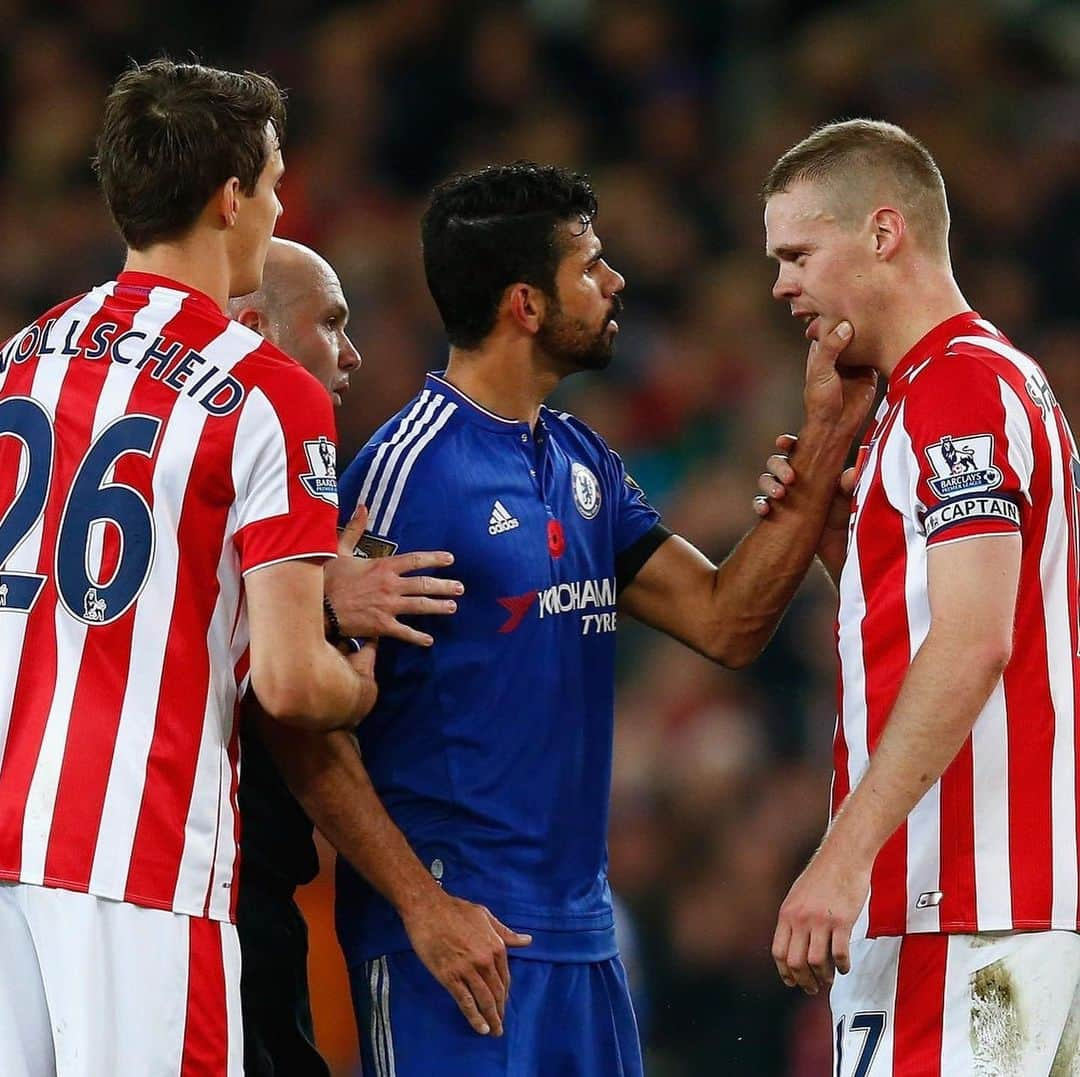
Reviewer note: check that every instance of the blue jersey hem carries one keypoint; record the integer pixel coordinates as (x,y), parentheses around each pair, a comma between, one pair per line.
(554,946)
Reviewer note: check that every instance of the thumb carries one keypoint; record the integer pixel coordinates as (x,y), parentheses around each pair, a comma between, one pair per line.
(511,938)
(351,532)
(828,349)
(363,659)
(847,481)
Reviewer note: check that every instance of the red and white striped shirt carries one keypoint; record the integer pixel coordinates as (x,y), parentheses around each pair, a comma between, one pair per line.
(968,441)
(152,452)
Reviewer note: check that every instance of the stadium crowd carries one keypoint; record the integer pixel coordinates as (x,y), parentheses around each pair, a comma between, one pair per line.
(676,110)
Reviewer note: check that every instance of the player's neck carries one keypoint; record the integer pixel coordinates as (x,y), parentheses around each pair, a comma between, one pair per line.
(920,312)
(186,263)
(509,385)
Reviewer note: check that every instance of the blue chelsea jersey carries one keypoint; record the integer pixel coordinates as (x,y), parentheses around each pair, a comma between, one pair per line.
(492,749)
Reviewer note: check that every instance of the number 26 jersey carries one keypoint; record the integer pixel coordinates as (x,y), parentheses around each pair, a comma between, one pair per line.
(152,452)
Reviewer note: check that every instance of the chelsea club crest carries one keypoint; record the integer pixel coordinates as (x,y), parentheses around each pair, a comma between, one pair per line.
(586,490)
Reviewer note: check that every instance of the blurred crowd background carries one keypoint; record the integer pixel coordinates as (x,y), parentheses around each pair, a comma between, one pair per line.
(676,110)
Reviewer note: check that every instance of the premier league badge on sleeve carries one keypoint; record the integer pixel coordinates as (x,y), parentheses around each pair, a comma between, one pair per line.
(586,490)
(321,478)
(963,465)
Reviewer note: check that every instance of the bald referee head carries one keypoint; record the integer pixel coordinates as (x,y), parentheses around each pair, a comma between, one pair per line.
(301,308)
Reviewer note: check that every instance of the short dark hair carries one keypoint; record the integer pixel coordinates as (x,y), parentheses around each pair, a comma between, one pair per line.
(484,230)
(172,135)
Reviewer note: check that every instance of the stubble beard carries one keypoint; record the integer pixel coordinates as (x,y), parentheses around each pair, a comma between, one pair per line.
(571,344)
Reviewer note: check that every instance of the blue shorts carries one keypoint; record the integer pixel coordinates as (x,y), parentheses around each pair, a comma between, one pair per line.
(562,1020)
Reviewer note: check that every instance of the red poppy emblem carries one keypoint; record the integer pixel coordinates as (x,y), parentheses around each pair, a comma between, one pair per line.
(556,539)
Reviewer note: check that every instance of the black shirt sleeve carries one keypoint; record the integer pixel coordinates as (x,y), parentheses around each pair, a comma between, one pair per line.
(628,562)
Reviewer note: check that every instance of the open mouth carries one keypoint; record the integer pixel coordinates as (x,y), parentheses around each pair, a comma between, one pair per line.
(809,320)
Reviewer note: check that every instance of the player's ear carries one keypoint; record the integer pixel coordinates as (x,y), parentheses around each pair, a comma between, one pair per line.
(252,319)
(526,306)
(889,227)
(227,201)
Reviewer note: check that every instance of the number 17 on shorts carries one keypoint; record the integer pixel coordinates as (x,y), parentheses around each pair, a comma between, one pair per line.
(997,1004)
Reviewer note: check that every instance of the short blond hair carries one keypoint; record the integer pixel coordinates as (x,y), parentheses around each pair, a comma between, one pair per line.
(865,160)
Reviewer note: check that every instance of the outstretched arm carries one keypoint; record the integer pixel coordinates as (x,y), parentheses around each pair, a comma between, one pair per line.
(729,613)
(972,587)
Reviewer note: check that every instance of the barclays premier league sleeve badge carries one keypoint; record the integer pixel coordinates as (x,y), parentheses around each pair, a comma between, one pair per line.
(320,480)
(964,478)
(963,465)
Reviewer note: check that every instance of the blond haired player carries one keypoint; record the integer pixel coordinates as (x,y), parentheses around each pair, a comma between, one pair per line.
(946,887)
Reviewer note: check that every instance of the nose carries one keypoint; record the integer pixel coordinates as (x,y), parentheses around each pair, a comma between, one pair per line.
(617,283)
(348,357)
(786,287)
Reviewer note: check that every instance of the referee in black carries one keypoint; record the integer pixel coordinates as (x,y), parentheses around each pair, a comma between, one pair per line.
(300,308)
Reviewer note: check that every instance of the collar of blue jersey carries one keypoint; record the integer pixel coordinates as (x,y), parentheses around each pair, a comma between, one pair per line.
(478,414)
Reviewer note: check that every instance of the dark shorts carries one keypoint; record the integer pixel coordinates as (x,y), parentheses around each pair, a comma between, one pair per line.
(278,1036)
(562,1020)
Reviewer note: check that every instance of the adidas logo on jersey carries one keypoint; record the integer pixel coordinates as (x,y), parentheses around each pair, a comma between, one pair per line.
(501,520)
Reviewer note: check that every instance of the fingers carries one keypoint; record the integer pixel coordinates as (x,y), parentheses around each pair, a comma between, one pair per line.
(779,467)
(394,629)
(432,586)
(771,490)
(847,481)
(509,936)
(502,970)
(419,560)
(819,958)
(777,476)
(802,955)
(769,484)
(463,996)
(351,532)
(490,998)
(419,607)
(464,947)
(781,941)
(841,950)
(797,961)
(370,594)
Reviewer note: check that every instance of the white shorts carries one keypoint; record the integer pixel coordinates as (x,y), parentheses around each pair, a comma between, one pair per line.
(992,1005)
(97,988)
